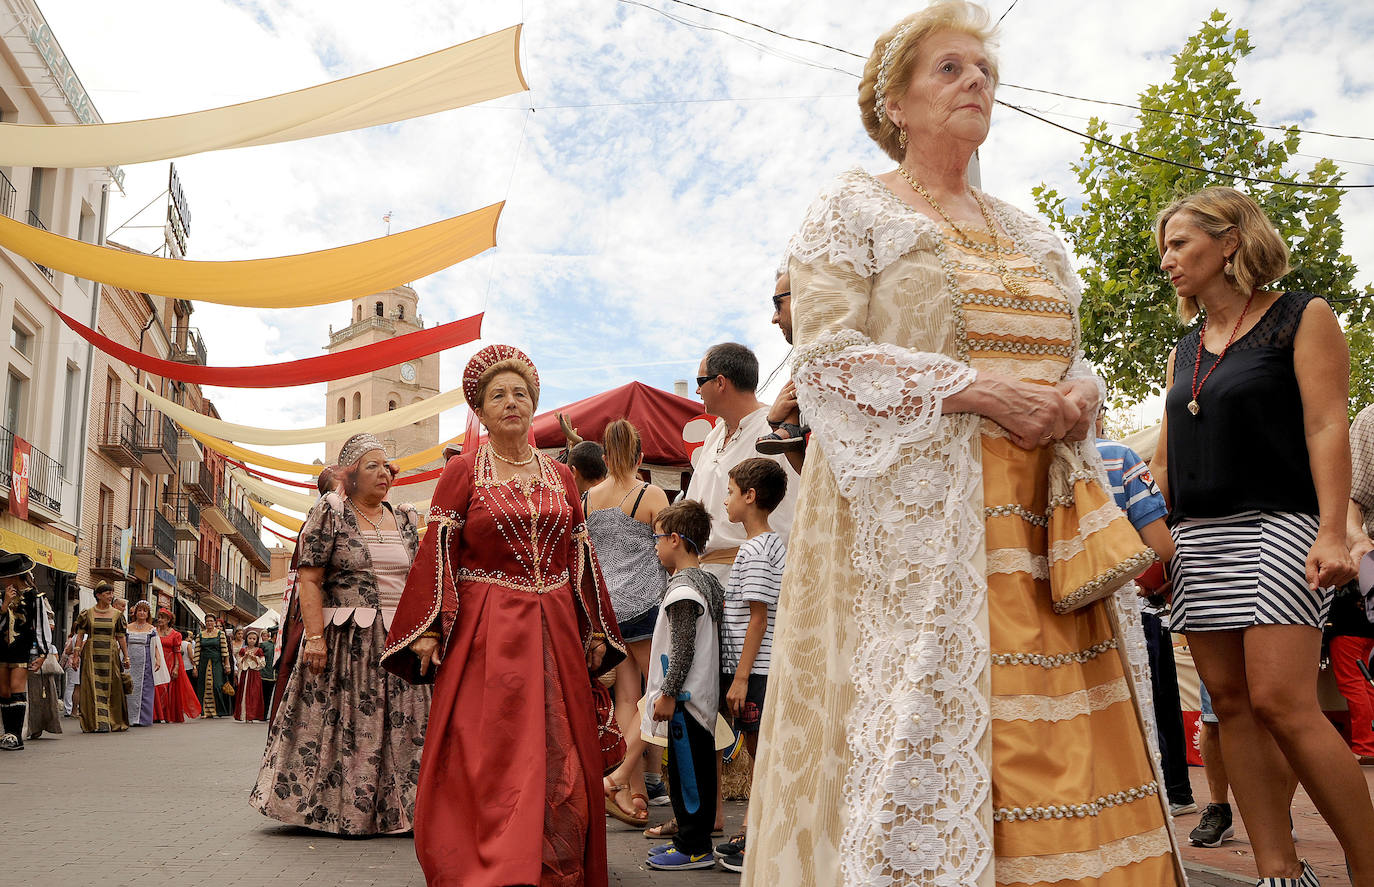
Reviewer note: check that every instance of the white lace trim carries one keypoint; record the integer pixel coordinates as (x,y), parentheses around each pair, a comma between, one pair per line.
(1094,521)
(1060,708)
(917,785)
(1018,560)
(1085,865)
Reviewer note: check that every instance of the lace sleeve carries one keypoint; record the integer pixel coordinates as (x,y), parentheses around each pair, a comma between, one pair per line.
(865,400)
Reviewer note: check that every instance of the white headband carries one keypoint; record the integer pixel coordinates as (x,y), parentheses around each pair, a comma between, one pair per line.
(889,51)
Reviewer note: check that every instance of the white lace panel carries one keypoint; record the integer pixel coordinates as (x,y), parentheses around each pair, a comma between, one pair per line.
(916,784)
(1018,560)
(1085,866)
(1060,708)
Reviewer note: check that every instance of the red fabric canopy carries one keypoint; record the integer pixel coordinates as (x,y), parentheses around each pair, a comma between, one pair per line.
(657,415)
(325,368)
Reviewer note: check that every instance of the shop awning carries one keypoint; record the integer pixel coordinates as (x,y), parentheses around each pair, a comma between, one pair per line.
(45,548)
(193,608)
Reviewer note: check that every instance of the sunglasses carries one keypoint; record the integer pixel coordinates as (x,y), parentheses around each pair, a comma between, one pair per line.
(777,300)
(702,380)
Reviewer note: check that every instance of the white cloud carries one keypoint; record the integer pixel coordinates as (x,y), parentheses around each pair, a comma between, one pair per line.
(634,235)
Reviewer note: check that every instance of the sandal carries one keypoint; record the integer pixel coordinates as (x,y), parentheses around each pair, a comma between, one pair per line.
(669,828)
(785,438)
(632,816)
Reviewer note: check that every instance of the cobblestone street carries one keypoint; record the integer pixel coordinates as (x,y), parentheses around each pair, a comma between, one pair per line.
(167,805)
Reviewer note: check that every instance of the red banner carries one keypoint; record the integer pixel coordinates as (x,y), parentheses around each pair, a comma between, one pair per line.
(19,479)
(306,371)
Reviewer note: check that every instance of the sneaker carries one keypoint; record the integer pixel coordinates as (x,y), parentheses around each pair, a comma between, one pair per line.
(732,863)
(730,847)
(11,742)
(675,860)
(1214,828)
(660,849)
(1180,809)
(658,794)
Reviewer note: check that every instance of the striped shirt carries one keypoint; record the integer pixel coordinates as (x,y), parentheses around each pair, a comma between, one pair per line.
(1131,484)
(1362,461)
(755,576)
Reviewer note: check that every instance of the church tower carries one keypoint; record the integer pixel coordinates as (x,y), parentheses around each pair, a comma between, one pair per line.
(376,318)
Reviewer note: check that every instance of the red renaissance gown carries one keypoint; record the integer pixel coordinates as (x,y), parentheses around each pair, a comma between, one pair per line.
(248,701)
(510,780)
(176,700)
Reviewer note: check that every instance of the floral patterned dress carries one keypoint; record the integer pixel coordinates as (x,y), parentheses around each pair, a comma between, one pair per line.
(343,753)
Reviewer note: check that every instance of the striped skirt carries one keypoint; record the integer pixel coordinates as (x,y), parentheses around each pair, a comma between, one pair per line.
(1245,569)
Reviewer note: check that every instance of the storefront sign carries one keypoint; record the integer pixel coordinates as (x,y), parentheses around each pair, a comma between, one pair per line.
(40,35)
(19,479)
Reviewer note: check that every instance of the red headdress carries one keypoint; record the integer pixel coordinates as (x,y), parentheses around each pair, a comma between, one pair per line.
(487,358)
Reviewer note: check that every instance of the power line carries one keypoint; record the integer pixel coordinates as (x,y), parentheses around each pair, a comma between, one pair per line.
(1004,15)
(1063,95)
(1182,165)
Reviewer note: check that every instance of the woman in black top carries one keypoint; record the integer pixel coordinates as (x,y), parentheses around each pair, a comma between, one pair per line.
(1255,460)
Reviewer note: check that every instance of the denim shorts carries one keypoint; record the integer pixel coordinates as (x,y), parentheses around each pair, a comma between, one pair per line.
(1208,716)
(640,628)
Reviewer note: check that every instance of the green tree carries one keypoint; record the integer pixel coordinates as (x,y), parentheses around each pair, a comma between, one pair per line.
(1129,316)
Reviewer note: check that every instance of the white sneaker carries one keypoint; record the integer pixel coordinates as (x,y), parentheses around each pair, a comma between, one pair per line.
(1180,809)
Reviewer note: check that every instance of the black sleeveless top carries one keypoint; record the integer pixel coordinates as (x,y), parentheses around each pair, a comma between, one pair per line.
(1246,448)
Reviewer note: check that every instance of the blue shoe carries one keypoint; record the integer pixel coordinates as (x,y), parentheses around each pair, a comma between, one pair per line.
(660,849)
(733,751)
(676,860)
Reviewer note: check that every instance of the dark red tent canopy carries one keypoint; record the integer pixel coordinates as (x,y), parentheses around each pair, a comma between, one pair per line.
(657,414)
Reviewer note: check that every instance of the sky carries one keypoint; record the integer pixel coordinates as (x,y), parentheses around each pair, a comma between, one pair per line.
(651,191)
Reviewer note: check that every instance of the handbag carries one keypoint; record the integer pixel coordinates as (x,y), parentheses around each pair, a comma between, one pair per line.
(1094,550)
(611,740)
(228,688)
(51,666)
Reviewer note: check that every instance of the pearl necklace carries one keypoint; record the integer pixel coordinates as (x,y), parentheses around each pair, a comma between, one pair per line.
(359,512)
(518,463)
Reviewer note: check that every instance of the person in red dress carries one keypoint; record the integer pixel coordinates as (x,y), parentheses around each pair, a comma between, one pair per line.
(505,609)
(248,696)
(174,701)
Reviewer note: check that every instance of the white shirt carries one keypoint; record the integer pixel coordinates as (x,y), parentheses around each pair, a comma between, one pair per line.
(711,480)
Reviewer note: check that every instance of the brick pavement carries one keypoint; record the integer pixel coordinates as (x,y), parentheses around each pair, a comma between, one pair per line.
(167,805)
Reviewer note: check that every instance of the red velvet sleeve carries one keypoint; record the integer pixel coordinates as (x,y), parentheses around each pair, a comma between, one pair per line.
(431,595)
(595,614)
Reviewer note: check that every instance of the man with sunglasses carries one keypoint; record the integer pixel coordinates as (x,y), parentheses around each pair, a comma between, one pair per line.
(788,436)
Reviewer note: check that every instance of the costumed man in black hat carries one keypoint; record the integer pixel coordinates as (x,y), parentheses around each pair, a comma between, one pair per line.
(24,642)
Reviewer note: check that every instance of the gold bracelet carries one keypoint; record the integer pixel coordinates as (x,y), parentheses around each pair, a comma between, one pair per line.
(314,637)
(429,634)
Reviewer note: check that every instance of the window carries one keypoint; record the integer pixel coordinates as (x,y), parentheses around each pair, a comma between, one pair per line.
(360,314)
(342,411)
(21,340)
(15,398)
(391,405)
(401,312)
(381,310)
(357,405)
(71,420)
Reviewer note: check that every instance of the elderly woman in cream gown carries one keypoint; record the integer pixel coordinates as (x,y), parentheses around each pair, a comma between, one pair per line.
(931,719)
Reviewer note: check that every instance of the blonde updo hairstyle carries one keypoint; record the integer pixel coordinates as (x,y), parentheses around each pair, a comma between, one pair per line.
(941,15)
(1261,256)
(519,367)
(622,447)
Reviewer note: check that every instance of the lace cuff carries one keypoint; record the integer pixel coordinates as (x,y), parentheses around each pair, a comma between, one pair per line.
(866,400)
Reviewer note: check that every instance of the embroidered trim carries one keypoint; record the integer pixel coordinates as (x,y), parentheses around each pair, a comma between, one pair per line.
(1104,584)
(1075,811)
(1057,659)
(444,516)
(1061,708)
(1018,560)
(505,580)
(978,343)
(1040,520)
(1085,865)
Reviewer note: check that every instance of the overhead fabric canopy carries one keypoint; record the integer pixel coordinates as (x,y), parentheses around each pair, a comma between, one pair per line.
(276,495)
(307,371)
(252,457)
(391,419)
(282,520)
(318,278)
(476,71)
(657,415)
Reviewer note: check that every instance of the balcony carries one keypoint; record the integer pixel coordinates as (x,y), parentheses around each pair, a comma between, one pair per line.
(248,602)
(117,432)
(193,572)
(185,518)
(155,542)
(157,442)
(216,514)
(45,474)
(187,345)
(220,595)
(245,534)
(105,559)
(33,219)
(188,448)
(7,196)
(199,482)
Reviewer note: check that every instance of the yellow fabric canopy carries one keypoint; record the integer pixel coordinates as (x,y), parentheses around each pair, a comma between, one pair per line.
(481,69)
(391,419)
(262,460)
(276,495)
(318,278)
(282,520)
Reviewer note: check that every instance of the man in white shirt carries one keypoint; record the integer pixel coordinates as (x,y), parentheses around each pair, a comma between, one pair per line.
(726,383)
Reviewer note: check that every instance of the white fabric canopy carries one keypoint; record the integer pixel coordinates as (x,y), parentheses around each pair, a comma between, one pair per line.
(274,494)
(476,71)
(270,619)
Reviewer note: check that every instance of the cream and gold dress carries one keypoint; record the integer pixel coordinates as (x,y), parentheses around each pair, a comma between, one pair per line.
(930,719)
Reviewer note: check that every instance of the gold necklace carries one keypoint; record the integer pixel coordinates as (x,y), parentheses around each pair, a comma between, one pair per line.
(1015,287)
(517,463)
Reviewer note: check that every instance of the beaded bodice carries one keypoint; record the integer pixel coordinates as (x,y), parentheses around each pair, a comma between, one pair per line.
(518,533)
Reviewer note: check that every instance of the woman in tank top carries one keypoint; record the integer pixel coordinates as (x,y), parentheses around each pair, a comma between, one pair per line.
(620,519)
(1255,460)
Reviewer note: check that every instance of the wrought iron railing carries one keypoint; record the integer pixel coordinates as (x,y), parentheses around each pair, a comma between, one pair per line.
(105,554)
(185,510)
(118,427)
(246,533)
(247,601)
(199,482)
(7,195)
(45,472)
(222,588)
(33,219)
(153,532)
(193,571)
(157,431)
(187,345)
